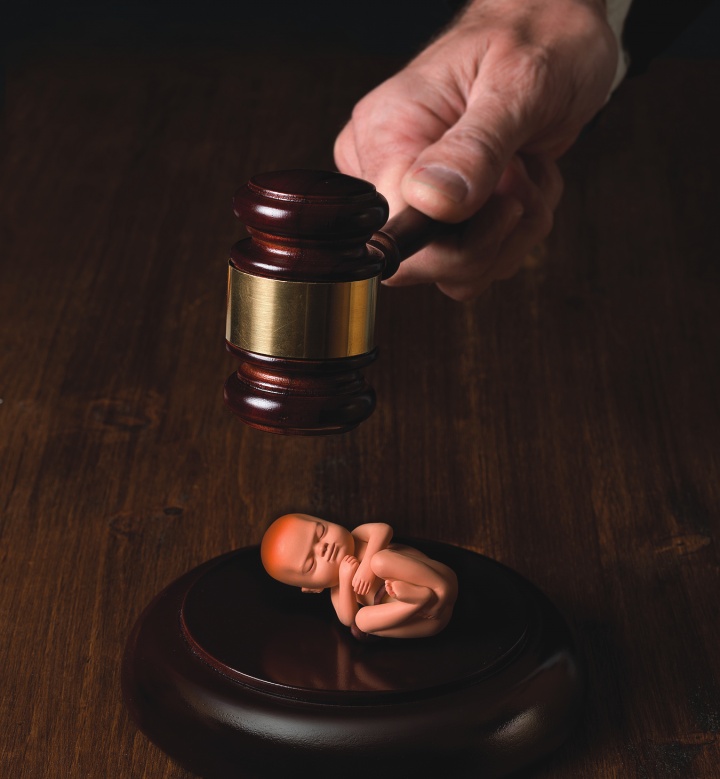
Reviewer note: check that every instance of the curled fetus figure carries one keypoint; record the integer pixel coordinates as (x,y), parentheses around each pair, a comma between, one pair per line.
(376,587)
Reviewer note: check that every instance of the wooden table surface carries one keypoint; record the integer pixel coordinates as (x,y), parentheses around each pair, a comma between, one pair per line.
(567,423)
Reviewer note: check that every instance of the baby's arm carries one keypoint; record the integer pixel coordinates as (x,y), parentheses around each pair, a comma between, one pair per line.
(343,596)
(377,536)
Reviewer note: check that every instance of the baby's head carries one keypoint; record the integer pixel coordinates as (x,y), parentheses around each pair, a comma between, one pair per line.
(305,551)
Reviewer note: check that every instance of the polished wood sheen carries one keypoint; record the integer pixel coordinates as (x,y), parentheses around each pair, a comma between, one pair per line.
(566,424)
(248,686)
(312,238)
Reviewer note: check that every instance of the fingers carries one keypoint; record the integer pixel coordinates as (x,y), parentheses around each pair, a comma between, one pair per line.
(537,222)
(345,152)
(535,180)
(389,129)
(453,178)
(436,143)
(494,243)
(466,256)
(386,174)
(360,586)
(442,136)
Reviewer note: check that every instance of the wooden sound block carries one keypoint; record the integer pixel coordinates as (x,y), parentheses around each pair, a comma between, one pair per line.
(236,675)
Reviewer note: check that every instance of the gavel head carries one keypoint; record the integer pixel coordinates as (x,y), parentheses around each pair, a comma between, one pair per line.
(302,291)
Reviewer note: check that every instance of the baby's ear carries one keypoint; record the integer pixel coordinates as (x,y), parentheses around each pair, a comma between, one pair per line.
(307,589)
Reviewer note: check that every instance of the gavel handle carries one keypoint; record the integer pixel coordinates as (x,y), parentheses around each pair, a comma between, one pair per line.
(407,233)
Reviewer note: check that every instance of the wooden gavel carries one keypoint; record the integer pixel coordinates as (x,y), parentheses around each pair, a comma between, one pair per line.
(302,293)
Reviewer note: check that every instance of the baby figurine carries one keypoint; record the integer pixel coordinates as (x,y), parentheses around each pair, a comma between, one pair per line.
(404,593)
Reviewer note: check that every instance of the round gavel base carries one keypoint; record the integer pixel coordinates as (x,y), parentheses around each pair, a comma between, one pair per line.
(235,675)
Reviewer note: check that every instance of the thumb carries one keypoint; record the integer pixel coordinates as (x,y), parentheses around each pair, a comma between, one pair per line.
(451,179)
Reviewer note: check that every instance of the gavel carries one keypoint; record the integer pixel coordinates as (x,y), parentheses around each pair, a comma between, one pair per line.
(302,293)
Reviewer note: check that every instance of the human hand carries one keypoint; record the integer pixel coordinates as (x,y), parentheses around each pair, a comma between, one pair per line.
(472,128)
(363,579)
(348,566)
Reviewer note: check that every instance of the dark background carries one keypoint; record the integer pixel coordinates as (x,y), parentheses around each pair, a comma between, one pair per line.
(398,25)
(654,27)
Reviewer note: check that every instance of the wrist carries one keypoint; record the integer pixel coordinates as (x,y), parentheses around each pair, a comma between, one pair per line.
(505,7)
(549,16)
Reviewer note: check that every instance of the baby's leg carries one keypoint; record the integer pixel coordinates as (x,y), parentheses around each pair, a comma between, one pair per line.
(385,617)
(416,580)
(408,565)
(414,626)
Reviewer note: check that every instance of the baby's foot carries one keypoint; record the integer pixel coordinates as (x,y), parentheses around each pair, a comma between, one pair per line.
(408,593)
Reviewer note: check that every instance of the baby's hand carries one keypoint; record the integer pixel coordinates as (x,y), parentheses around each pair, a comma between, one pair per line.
(363,579)
(348,566)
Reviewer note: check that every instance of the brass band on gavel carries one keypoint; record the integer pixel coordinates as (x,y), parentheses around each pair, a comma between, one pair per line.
(300,320)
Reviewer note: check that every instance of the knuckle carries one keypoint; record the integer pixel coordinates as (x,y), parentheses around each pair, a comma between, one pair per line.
(523,54)
(361,111)
(476,142)
(341,152)
(374,106)
(532,73)
(533,63)
(525,79)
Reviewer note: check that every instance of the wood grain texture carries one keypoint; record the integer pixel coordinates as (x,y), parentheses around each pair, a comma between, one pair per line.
(566,424)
